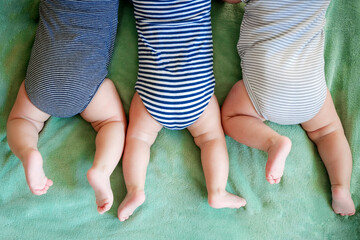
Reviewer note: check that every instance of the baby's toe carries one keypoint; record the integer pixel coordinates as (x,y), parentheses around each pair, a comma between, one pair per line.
(49,182)
(104,207)
(39,191)
(270,180)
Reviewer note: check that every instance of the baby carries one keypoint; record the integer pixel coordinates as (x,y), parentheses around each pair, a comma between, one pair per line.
(175,89)
(65,76)
(281,48)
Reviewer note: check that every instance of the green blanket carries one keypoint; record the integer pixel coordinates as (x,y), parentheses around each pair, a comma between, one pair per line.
(176,206)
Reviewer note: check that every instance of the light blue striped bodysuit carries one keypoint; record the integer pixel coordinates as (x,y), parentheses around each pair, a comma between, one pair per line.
(70,55)
(281,47)
(175,77)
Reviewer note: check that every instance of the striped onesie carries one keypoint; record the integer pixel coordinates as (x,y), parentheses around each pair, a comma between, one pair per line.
(175,77)
(281,47)
(70,55)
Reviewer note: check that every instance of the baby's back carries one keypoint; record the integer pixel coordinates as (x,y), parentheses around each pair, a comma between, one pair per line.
(281,46)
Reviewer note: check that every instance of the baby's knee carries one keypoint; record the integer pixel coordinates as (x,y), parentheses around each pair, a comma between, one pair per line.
(115,119)
(141,136)
(208,137)
(334,127)
(227,109)
(23,109)
(225,114)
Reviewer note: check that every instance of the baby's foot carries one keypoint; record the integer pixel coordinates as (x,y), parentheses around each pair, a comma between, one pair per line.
(100,182)
(225,200)
(132,201)
(277,154)
(35,176)
(341,201)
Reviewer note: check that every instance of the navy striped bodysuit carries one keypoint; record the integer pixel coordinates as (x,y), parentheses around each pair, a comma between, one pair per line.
(175,77)
(70,55)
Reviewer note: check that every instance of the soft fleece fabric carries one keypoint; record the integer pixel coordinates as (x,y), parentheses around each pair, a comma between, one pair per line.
(176,205)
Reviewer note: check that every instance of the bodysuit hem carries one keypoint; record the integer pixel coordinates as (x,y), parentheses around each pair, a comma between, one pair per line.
(64,116)
(255,102)
(250,93)
(177,128)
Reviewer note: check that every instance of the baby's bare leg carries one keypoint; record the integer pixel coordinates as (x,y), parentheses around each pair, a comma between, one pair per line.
(141,134)
(326,131)
(23,127)
(209,136)
(242,123)
(106,115)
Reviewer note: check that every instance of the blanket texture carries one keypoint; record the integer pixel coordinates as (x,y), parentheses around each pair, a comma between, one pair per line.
(176,206)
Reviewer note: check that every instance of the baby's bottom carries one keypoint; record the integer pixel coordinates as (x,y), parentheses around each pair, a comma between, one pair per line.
(106,115)
(208,135)
(242,122)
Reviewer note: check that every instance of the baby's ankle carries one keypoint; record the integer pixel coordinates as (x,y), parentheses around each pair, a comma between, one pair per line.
(135,190)
(30,154)
(213,193)
(275,142)
(99,170)
(271,142)
(340,187)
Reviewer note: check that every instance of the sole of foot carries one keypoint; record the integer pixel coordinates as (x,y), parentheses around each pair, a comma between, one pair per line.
(35,176)
(342,202)
(131,202)
(225,200)
(100,182)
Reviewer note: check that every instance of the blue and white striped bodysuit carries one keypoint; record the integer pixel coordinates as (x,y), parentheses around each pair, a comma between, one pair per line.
(175,78)
(281,47)
(70,55)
